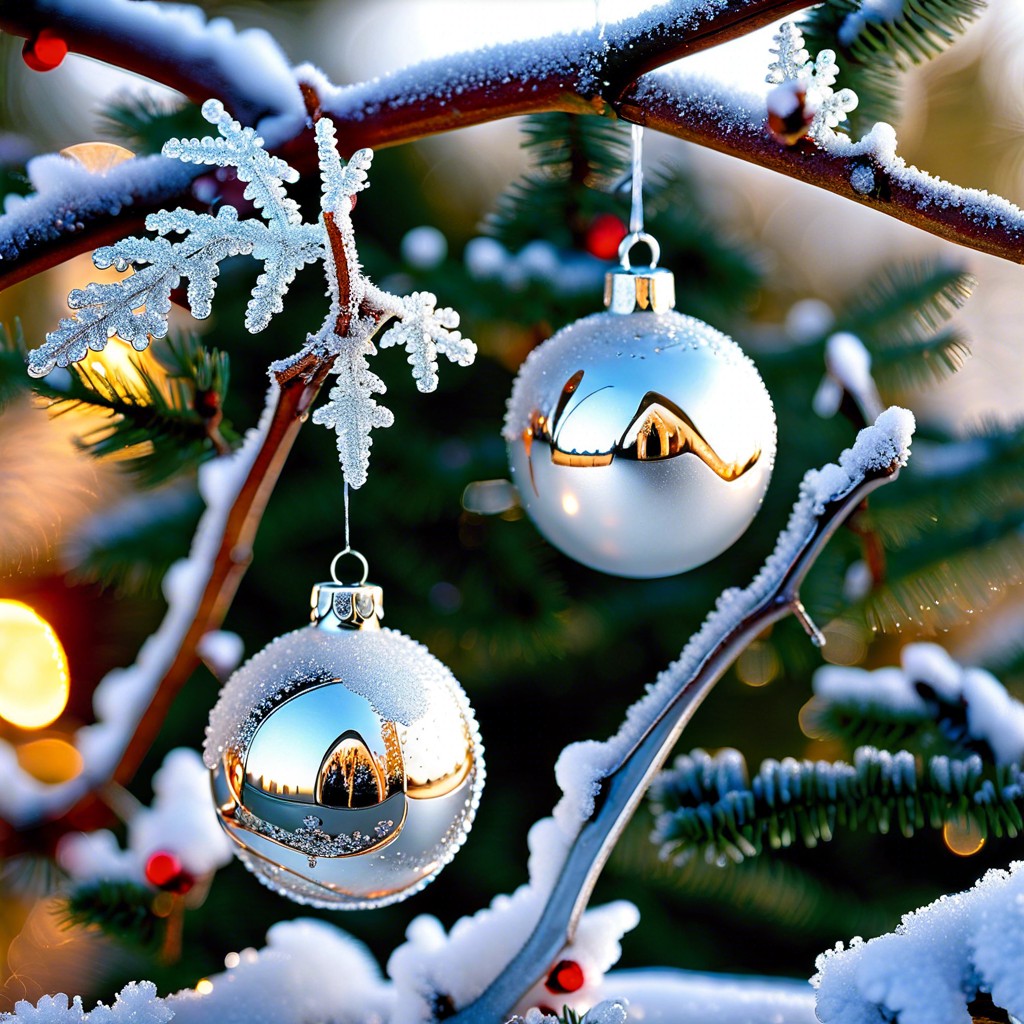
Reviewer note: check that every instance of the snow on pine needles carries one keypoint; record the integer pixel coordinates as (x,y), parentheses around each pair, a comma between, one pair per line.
(135,309)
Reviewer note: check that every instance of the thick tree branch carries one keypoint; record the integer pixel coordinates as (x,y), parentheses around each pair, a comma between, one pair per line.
(579,73)
(171,45)
(731,123)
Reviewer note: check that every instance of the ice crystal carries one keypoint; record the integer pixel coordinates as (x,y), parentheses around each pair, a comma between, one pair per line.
(817,76)
(135,308)
(353,412)
(426,331)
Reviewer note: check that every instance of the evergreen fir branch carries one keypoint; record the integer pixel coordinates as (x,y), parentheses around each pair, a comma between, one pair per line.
(121,909)
(981,483)
(592,151)
(942,729)
(923,29)
(157,427)
(933,591)
(759,891)
(907,366)
(706,805)
(577,159)
(13,381)
(143,122)
(905,303)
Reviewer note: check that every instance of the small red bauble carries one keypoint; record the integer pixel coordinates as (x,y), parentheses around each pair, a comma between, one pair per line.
(565,976)
(164,870)
(45,52)
(604,235)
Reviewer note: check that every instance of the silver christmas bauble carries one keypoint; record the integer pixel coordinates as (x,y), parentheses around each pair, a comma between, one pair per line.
(347,765)
(641,441)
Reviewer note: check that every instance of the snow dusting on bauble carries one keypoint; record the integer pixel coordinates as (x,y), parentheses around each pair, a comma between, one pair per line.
(641,441)
(347,764)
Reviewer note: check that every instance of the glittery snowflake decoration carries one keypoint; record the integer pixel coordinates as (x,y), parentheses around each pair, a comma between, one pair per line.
(794,69)
(135,308)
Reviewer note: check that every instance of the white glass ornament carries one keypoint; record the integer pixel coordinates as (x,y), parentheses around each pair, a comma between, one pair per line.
(641,441)
(347,764)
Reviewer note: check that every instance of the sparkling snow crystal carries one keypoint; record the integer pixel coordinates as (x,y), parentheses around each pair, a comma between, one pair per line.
(817,77)
(937,960)
(135,308)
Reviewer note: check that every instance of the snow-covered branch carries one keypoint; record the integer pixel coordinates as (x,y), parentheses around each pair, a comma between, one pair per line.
(177,46)
(936,962)
(584,73)
(603,783)
(131,703)
(867,171)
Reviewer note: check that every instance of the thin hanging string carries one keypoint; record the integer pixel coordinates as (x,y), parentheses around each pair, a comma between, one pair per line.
(348,549)
(636,212)
(599,19)
(348,541)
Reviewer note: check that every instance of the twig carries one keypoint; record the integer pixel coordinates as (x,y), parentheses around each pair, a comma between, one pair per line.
(78,802)
(657,722)
(234,553)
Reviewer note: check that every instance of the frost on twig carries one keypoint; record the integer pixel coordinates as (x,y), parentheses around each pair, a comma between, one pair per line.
(135,308)
(794,69)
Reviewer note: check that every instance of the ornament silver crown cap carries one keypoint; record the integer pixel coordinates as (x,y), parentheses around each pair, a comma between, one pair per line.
(336,606)
(629,289)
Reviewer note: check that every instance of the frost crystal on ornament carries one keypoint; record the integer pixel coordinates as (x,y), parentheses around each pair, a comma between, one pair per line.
(135,309)
(817,76)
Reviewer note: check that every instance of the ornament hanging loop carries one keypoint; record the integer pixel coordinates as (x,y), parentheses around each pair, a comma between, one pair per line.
(638,238)
(347,550)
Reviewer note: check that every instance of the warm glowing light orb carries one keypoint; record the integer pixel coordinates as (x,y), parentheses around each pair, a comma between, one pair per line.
(51,759)
(34,679)
(963,837)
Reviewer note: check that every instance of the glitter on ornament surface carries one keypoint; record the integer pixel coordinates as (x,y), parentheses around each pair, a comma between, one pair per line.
(347,764)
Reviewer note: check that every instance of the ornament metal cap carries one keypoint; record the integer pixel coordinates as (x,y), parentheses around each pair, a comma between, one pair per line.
(337,606)
(628,289)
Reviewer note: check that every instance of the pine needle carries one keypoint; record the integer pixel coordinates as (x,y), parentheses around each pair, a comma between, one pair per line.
(705,805)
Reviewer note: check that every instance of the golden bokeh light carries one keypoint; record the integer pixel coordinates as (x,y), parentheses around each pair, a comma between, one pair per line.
(34,678)
(50,759)
(97,157)
(963,837)
(759,664)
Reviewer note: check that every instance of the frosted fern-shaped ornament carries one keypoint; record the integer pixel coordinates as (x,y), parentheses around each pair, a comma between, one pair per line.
(135,309)
(426,332)
(353,412)
(792,57)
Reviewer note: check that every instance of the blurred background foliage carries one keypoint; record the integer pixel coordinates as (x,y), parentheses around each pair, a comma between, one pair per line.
(548,651)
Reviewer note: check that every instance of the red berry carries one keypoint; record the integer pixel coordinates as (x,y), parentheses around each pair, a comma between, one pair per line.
(164,870)
(45,52)
(604,235)
(565,976)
